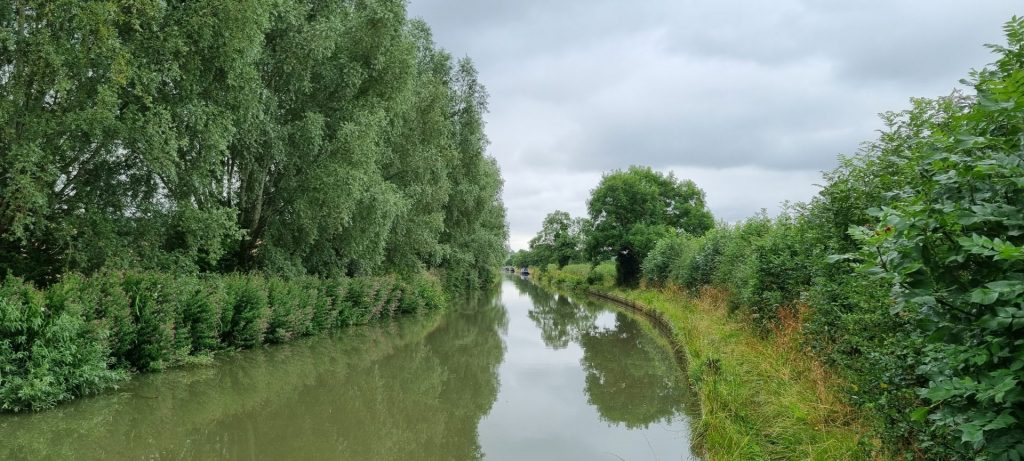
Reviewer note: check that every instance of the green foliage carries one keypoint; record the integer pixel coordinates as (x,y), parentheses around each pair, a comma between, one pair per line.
(152,146)
(331,305)
(660,263)
(602,275)
(284,301)
(904,274)
(951,244)
(247,303)
(578,276)
(560,241)
(284,136)
(49,351)
(153,304)
(85,334)
(421,293)
(199,323)
(632,210)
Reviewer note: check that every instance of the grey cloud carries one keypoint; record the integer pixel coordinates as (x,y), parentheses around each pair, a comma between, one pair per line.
(766,93)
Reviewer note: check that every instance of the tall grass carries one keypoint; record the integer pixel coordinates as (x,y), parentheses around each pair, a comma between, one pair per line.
(761,397)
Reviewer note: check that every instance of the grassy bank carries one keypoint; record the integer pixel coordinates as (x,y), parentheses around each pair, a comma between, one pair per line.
(762,397)
(85,334)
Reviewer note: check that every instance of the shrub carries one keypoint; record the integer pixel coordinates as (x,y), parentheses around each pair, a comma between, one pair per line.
(49,352)
(201,306)
(952,245)
(111,305)
(699,269)
(602,275)
(323,313)
(419,293)
(338,308)
(283,300)
(153,307)
(664,258)
(246,299)
(428,289)
(84,334)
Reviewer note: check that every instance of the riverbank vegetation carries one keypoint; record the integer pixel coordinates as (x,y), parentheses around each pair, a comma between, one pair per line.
(85,334)
(903,277)
(303,386)
(182,177)
(761,396)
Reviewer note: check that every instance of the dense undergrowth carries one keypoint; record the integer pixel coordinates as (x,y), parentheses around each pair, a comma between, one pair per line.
(85,334)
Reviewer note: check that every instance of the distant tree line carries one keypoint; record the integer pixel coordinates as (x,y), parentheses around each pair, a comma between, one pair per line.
(907,269)
(628,213)
(285,136)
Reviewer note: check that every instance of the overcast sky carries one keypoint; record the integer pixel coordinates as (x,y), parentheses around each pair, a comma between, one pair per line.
(750,99)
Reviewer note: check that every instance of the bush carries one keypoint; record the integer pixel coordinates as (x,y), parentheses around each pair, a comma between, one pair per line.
(284,301)
(49,352)
(952,244)
(153,302)
(200,315)
(106,302)
(657,268)
(247,301)
(602,275)
(699,269)
(420,293)
(334,313)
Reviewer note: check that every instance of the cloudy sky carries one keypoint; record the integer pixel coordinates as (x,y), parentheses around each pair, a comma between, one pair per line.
(750,99)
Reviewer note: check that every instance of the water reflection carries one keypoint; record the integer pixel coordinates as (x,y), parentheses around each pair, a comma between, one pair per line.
(414,389)
(630,378)
(627,376)
(516,374)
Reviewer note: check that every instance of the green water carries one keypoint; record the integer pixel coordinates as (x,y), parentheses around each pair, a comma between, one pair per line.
(521,373)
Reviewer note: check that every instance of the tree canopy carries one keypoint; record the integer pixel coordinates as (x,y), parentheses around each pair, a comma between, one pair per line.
(631,210)
(560,240)
(287,136)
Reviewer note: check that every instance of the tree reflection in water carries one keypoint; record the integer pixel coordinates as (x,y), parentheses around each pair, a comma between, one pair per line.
(631,377)
(412,389)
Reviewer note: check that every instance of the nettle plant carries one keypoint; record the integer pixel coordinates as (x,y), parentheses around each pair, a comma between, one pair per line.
(952,244)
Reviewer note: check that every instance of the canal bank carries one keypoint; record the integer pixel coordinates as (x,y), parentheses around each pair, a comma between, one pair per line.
(520,372)
(760,398)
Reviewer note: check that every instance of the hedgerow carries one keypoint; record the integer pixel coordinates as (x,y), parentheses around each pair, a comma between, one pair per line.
(83,335)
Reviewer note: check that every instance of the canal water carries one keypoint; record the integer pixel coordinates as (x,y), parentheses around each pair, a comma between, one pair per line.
(519,373)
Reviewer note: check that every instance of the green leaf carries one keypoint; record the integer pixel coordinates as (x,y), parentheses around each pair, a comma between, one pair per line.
(984,296)
(1002,421)
(971,433)
(831,259)
(919,414)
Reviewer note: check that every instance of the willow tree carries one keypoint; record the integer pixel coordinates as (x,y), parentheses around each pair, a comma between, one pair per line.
(280,135)
(475,230)
(115,117)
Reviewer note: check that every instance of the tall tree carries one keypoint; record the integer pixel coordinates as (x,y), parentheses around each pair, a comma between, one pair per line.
(560,238)
(475,230)
(279,135)
(631,210)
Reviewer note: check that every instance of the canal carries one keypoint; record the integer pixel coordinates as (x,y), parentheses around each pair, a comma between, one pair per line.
(518,373)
